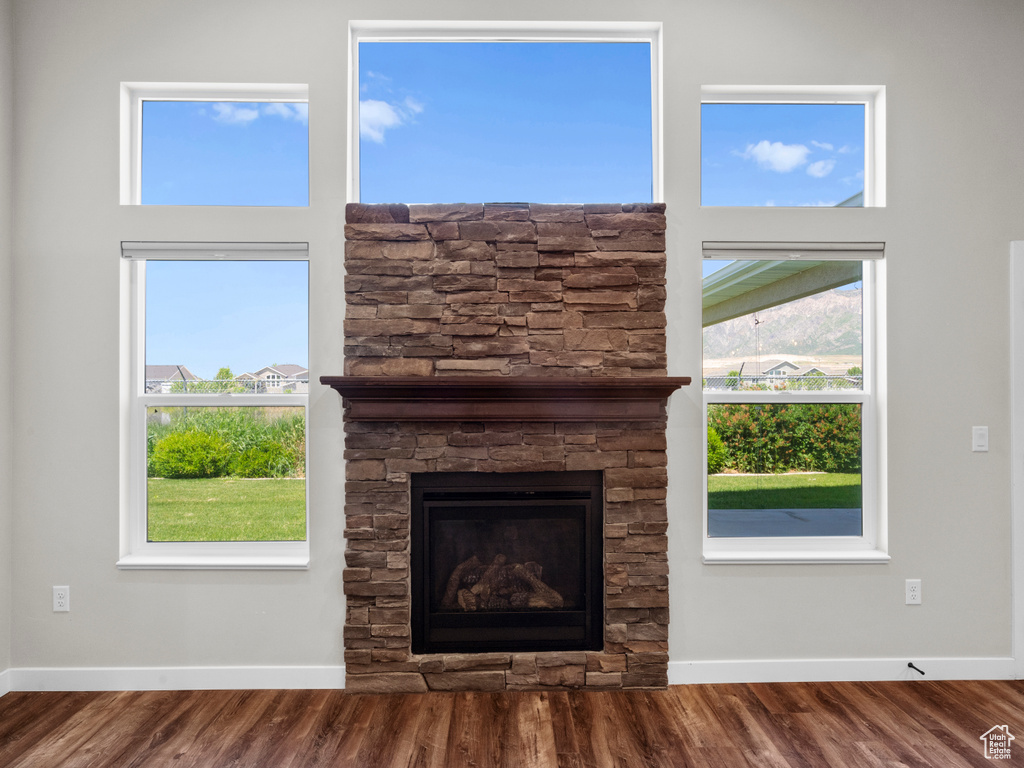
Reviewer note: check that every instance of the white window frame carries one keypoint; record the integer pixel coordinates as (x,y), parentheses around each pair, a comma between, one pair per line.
(505,32)
(872,545)
(136,551)
(133,94)
(871,96)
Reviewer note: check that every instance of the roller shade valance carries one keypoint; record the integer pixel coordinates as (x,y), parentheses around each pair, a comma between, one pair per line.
(858,251)
(136,249)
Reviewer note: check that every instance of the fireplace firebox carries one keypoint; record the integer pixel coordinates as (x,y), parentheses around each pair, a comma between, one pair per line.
(506,561)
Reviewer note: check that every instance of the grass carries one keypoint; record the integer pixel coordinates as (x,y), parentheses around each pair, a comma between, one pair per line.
(790,491)
(227,509)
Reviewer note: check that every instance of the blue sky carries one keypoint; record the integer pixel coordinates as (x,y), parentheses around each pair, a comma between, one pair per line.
(505,122)
(240,314)
(781,154)
(225,153)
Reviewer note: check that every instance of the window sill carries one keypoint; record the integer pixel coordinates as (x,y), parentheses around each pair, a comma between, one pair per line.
(793,557)
(215,562)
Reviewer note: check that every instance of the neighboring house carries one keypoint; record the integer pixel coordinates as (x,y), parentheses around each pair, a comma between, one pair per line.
(779,374)
(272,378)
(780,369)
(283,378)
(160,378)
(248,380)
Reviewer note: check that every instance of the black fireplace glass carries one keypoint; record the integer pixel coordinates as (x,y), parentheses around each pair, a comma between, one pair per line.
(507,561)
(507,556)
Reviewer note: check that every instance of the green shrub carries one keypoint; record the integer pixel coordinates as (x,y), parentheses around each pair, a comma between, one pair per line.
(190,454)
(717,453)
(242,429)
(265,460)
(790,436)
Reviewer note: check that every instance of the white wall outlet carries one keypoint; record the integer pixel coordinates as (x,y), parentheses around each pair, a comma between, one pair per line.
(979,439)
(913,591)
(62,598)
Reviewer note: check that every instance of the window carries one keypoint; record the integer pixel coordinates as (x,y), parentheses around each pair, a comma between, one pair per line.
(792,383)
(200,144)
(797,147)
(553,113)
(214,454)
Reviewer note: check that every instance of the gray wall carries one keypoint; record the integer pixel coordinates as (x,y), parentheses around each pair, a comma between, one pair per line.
(954,202)
(6,318)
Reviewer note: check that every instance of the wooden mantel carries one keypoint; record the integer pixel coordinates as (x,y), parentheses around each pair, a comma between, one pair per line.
(504,398)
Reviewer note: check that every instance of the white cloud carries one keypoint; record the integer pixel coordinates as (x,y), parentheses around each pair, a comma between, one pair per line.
(288,111)
(278,109)
(822,145)
(376,117)
(227,112)
(776,156)
(821,169)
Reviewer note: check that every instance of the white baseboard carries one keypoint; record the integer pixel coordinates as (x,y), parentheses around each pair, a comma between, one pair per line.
(821,670)
(172,678)
(679,673)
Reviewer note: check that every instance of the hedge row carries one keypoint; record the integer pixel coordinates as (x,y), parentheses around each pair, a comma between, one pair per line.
(213,442)
(788,437)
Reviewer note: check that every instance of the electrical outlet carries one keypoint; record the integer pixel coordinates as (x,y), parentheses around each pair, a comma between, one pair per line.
(913,591)
(62,598)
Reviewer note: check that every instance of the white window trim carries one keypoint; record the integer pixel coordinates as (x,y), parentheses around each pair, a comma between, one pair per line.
(872,545)
(136,552)
(1017,448)
(133,94)
(871,96)
(506,32)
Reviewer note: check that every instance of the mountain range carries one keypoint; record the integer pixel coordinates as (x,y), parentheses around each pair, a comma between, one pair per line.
(828,323)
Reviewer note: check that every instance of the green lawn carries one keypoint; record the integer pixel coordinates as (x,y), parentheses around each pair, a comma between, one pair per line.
(790,491)
(227,509)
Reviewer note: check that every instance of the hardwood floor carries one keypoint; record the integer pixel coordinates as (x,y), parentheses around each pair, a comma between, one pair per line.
(792,725)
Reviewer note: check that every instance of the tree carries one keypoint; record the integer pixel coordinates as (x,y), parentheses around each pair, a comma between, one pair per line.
(855,371)
(223,376)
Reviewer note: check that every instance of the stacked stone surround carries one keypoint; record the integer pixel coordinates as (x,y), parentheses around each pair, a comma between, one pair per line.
(560,290)
(505,290)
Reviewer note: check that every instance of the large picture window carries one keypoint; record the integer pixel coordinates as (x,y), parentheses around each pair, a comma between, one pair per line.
(791,382)
(217,386)
(543,113)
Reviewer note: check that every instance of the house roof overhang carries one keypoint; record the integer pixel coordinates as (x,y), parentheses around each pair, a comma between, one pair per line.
(744,287)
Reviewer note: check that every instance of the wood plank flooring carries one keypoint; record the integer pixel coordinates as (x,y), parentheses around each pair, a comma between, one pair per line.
(793,725)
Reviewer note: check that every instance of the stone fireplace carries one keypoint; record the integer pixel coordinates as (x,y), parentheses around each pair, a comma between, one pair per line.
(527,340)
